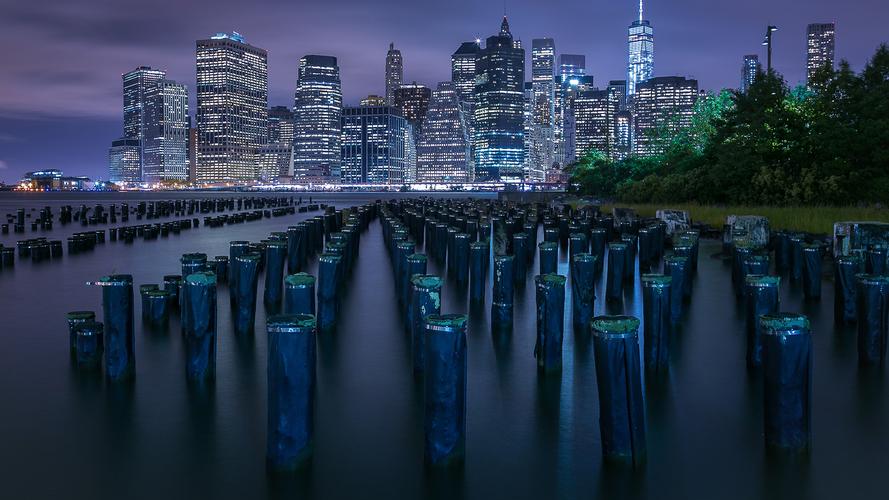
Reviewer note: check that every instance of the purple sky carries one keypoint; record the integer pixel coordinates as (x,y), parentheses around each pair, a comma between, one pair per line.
(60,86)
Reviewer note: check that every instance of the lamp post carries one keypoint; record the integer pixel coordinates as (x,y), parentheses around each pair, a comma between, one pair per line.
(768,43)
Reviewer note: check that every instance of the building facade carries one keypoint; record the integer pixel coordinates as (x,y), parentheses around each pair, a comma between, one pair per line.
(165,150)
(572,68)
(498,117)
(136,85)
(394,73)
(443,152)
(412,101)
(820,48)
(317,110)
(749,70)
(377,145)
(280,129)
(124,161)
(662,106)
(640,66)
(232,108)
(593,116)
(463,69)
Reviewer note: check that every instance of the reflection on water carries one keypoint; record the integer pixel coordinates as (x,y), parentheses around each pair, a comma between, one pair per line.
(69,433)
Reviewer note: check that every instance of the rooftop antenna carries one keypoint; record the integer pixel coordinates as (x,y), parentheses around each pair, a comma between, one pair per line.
(640,11)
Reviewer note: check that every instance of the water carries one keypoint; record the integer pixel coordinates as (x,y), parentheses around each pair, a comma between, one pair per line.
(64,433)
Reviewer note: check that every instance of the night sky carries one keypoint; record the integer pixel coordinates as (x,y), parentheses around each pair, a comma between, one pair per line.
(60,85)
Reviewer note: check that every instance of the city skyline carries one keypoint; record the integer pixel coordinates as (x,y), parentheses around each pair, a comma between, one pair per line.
(78,109)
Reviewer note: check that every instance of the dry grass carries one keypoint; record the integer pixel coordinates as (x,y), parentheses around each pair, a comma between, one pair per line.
(817,220)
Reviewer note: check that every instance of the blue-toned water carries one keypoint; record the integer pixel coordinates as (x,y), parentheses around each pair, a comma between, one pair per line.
(66,434)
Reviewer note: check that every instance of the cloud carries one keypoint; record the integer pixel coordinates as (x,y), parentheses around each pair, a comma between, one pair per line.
(3,165)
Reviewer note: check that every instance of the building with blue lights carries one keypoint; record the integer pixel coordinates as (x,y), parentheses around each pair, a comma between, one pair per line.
(377,145)
(498,117)
(641,53)
(317,120)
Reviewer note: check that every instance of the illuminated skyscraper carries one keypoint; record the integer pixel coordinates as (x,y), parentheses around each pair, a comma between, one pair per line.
(463,69)
(232,110)
(377,147)
(394,73)
(820,46)
(594,112)
(641,60)
(165,150)
(749,71)
(317,114)
(280,125)
(572,67)
(498,135)
(412,101)
(662,105)
(544,97)
(373,100)
(123,160)
(136,84)
(443,153)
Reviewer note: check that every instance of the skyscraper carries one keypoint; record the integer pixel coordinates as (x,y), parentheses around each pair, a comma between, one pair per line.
(641,53)
(498,135)
(572,67)
(544,109)
(594,112)
(136,84)
(394,73)
(412,101)
(123,160)
(749,71)
(443,153)
(463,69)
(377,146)
(820,46)
(663,104)
(317,114)
(280,125)
(165,146)
(232,110)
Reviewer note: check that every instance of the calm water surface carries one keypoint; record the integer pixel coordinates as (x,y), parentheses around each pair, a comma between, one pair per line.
(67,434)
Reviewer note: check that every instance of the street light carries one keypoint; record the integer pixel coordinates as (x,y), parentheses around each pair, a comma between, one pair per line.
(768,43)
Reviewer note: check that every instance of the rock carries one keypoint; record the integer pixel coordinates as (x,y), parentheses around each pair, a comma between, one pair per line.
(751,228)
(676,220)
(848,236)
(625,219)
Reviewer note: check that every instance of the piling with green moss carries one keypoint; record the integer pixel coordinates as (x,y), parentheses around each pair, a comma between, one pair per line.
(619,379)
(787,376)
(762,297)
(291,390)
(550,296)
(199,320)
(656,298)
(445,389)
(425,300)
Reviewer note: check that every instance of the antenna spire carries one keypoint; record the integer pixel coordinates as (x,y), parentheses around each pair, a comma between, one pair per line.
(640,11)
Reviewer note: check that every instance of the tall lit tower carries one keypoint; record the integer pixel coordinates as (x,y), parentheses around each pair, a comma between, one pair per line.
(498,125)
(317,113)
(232,112)
(749,71)
(641,54)
(394,73)
(820,45)
(136,86)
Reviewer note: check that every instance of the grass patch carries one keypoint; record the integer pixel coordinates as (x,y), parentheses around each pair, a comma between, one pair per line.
(817,220)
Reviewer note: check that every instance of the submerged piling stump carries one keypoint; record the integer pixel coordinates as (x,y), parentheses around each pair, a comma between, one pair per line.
(291,390)
(445,388)
(619,379)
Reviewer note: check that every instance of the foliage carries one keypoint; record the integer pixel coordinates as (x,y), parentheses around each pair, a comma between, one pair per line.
(827,144)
